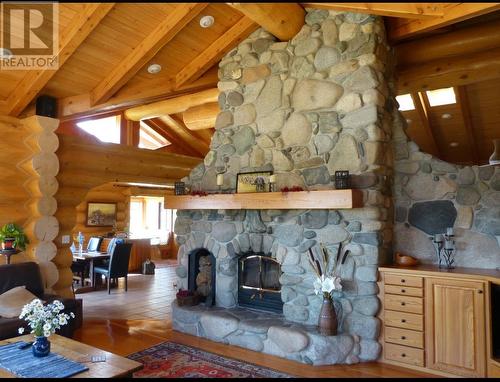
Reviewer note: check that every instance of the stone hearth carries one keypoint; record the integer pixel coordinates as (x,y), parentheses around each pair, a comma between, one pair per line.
(268,333)
(302,109)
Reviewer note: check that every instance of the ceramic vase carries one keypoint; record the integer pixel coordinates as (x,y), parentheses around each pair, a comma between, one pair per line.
(41,346)
(327,323)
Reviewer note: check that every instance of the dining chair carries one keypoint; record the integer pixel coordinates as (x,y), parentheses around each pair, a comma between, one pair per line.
(94,244)
(80,268)
(118,265)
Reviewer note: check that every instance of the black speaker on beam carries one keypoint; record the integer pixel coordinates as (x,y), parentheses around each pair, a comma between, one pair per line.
(46,106)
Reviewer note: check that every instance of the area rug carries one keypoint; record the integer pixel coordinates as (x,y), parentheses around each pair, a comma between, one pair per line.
(172,360)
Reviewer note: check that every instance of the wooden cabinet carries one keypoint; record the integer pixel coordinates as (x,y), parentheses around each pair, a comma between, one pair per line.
(403,317)
(455,326)
(437,320)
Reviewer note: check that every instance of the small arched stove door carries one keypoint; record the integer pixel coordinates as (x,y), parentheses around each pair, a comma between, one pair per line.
(258,282)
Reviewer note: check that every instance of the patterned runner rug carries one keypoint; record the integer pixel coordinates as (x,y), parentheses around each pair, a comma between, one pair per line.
(172,360)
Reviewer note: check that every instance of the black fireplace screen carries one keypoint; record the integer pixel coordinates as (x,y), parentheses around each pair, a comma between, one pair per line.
(258,282)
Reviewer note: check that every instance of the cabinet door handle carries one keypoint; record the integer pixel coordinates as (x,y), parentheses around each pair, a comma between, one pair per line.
(403,290)
(403,280)
(403,355)
(480,291)
(403,337)
(403,303)
(403,320)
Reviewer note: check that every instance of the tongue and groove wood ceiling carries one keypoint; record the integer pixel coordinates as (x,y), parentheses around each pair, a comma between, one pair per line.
(105,49)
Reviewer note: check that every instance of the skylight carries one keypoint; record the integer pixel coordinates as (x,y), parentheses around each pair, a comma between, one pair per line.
(405,102)
(105,129)
(150,139)
(440,97)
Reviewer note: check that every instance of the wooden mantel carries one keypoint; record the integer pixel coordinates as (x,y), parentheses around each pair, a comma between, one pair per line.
(322,199)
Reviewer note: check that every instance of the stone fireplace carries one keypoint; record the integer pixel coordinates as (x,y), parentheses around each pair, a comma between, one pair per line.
(302,109)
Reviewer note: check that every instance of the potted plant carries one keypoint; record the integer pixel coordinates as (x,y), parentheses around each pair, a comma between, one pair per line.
(43,321)
(13,237)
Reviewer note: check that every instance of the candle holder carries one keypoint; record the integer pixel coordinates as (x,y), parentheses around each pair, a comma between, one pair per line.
(342,180)
(448,251)
(220,182)
(449,257)
(438,246)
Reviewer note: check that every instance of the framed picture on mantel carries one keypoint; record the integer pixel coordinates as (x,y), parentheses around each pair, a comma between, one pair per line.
(253,182)
(101,214)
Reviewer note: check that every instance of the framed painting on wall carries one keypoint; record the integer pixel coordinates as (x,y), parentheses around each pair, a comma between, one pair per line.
(253,182)
(101,214)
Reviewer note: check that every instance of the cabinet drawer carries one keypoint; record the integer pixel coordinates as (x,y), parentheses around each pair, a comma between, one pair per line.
(404,320)
(404,290)
(399,279)
(404,354)
(404,303)
(404,337)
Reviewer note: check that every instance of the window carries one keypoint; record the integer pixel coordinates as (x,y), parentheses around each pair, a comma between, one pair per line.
(440,97)
(149,218)
(405,102)
(150,139)
(105,129)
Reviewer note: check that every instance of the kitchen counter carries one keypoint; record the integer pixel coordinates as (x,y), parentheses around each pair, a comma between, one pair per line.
(492,275)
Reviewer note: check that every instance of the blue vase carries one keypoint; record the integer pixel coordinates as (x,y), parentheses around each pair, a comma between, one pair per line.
(41,346)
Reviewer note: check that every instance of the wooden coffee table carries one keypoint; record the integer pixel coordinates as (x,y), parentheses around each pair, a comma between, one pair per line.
(114,366)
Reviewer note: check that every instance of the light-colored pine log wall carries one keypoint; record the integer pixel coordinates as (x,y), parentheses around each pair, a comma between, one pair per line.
(30,165)
(85,165)
(14,192)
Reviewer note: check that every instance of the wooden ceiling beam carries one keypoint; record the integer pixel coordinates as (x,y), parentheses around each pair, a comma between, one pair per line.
(450,71)
(77,106)
(201,117)
(476,38)
(422,108)
(399,29)
(406,10)
(283,20)
(161,128)
(186,135)
(172,105)
(205,135)
(145,51)
(463,104)
(210,56)
(70,39)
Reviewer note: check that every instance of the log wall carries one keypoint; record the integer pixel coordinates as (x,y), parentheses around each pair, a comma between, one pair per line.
(46,182)
(29,165)
(85,165)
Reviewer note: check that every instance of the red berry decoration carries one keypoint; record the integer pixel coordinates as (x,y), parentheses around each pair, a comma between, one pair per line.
(184,293)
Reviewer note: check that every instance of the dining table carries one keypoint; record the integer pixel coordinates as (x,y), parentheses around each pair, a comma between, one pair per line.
(88,257)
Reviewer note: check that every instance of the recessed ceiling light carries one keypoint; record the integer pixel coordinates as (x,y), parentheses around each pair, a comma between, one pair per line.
(207,21)
(154,68)
(446,116)
(454,144)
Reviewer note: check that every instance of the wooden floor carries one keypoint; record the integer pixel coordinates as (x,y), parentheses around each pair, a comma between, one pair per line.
(127,322)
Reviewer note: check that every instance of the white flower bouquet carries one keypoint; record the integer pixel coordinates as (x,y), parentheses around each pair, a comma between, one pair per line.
(327,271)
(44,320)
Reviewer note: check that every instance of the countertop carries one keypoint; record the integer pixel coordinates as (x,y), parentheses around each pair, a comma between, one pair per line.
(492,275)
